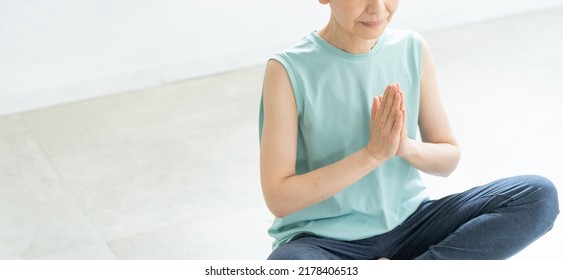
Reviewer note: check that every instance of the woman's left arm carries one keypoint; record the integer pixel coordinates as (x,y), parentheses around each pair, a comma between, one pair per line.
(438,153)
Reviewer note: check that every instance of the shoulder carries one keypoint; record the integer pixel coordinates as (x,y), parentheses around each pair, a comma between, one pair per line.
(402,37)
(305,49)
(404,42)
(300,59)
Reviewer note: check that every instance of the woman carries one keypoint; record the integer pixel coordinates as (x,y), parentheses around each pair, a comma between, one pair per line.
(340,164)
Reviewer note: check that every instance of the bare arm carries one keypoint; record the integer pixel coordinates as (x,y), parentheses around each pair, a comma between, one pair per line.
(438,153)
(284,191)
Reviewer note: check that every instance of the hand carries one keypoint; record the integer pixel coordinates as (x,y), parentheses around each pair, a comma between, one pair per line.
(386,124)
(404,143)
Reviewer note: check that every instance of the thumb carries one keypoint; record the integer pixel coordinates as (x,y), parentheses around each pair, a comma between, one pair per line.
(375,106)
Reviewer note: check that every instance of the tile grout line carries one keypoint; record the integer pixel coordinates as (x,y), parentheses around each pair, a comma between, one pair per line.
(65,185)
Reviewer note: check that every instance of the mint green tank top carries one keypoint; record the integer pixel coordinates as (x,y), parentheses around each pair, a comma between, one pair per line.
(333,92)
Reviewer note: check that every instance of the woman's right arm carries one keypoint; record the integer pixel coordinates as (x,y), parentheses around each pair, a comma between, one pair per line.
(283,190)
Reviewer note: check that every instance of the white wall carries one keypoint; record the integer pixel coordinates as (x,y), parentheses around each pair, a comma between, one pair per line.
(58,51)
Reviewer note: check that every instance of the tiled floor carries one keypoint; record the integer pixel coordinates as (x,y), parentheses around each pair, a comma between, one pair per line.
(172,172)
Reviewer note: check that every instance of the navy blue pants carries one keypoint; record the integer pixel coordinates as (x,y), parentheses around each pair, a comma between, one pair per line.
(494,221)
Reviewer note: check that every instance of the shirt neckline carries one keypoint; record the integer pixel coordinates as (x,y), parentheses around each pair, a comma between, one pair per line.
(315,38)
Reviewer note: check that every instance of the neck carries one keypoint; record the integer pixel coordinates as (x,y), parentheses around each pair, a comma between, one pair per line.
(336,36)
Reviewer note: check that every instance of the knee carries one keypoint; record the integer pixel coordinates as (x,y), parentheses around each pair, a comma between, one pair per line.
(545,197)
(546,191)
(293,251)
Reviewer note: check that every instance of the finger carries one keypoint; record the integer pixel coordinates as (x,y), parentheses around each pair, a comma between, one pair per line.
(395,101)
(393,110)
(388,100)
(375,106)
(404,116)
(379,114)
(402,100)
(398,124)
(386,94)
(377,101)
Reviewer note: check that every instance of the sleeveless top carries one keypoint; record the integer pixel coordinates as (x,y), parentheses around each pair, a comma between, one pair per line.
(334,92)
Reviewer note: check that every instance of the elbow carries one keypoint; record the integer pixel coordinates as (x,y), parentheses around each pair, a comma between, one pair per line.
(452,165)
(445,173)
(279,200)
(277,210)
(278,213)
(276,205)
(441,172)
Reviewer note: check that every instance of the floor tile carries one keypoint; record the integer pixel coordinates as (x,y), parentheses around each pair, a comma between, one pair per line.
(38,216)
(143,160)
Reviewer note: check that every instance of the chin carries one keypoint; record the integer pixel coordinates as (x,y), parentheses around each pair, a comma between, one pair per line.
(372,35)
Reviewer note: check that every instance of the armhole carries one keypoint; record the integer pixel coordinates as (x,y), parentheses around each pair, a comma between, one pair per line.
(295,85)
(418,53)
